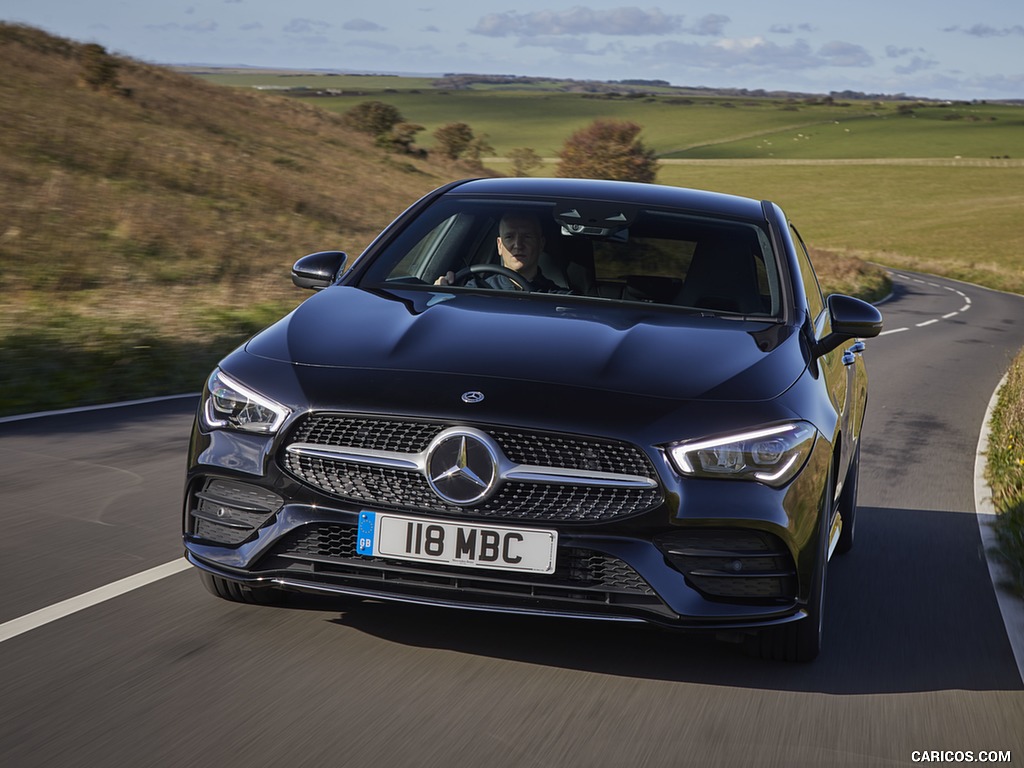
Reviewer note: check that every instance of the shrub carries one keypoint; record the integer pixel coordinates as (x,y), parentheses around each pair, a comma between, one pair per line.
(608,149)
(373,117)
(524,160)
(99,69)
(453,139)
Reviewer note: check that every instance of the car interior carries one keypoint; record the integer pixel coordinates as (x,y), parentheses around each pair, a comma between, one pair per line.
(649,257)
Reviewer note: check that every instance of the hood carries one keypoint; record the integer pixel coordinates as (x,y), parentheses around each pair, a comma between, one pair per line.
(540,339)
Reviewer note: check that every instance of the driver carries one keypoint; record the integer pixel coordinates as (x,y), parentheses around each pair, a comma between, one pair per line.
(520,243)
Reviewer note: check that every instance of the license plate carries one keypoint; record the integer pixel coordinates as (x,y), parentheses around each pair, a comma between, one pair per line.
(442,541)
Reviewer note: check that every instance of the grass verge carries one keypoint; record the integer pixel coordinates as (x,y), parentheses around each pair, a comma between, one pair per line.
(1005,472)
(66,355)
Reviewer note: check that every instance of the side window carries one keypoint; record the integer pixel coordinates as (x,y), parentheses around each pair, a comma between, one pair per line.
(815,301)
(417,261)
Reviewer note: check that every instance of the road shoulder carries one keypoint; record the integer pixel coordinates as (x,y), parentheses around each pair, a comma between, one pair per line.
(1010,606)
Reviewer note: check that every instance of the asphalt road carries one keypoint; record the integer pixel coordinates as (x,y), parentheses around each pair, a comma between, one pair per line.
(916,655)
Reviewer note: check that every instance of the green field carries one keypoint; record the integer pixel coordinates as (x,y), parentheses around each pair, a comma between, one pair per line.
(677,123)
(960,221)
(931,186)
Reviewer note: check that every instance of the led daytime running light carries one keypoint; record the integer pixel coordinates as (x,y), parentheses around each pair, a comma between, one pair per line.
(746,456)
(229,404)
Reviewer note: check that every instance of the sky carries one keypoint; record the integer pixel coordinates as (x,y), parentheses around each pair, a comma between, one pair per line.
(942,49)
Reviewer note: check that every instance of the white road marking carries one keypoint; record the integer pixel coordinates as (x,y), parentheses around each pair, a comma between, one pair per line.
(52,613)
(947,316)
(87,408)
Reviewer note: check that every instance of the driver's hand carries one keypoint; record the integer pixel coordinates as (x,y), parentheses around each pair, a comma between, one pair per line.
(448,278)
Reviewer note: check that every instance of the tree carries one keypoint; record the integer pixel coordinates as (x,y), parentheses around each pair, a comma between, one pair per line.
(373,117)
(401,138)
(524,160)
(453,139)
(477,149)
(99,69)
(608,149)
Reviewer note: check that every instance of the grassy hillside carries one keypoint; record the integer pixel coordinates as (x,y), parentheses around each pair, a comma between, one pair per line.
(148,224)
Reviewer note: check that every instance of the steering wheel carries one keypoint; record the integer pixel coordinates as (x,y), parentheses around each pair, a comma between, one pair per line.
(476,269)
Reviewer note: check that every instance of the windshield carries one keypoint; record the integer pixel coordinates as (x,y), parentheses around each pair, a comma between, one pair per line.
(597,250)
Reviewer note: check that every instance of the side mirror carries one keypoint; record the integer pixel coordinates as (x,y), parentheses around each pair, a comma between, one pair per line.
(318,270)
(850,318)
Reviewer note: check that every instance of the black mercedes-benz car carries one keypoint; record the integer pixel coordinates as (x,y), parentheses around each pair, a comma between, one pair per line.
(564,397)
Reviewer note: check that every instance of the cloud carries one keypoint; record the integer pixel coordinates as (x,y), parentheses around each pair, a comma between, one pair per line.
(916,64)
(984,30)
(578,21)
(712,24)
(790,29)
(726,54)
(895,53)
(203,27)
(742,55)
(840,54)
(306,27)
(573,46)
(362,25)
(385,48)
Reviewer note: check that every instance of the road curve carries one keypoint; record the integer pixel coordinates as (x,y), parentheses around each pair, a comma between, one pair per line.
(916,655)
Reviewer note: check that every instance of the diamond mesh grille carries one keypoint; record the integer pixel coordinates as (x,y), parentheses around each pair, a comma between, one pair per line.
(401,489)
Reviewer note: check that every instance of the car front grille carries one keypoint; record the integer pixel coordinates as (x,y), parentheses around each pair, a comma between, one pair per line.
(326,552)
(402,488)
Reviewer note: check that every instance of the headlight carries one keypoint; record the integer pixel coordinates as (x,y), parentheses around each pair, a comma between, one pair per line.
(773,455)
(227,404)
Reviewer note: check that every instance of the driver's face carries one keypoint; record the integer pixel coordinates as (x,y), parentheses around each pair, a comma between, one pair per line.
(519,244)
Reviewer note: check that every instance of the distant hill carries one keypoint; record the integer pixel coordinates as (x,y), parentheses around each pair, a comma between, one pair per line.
(116,170)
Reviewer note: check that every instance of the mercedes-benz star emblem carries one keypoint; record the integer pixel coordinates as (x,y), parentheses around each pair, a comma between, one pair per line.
(462,465)
(473,397)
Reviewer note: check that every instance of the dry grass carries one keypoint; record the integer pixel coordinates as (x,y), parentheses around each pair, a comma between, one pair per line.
(167,180)
(845,273)
(146,228)
(1005,470)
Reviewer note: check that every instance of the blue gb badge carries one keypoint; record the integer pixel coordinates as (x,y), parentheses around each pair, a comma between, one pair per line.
(367,527)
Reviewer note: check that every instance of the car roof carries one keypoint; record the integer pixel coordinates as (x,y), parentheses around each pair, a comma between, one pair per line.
(695,200)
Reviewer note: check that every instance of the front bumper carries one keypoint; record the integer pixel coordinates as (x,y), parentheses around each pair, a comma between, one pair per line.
(248,521)
(599,576)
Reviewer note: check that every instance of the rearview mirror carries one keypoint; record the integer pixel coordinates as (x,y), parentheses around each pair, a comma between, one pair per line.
(318,270)
(850,318)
